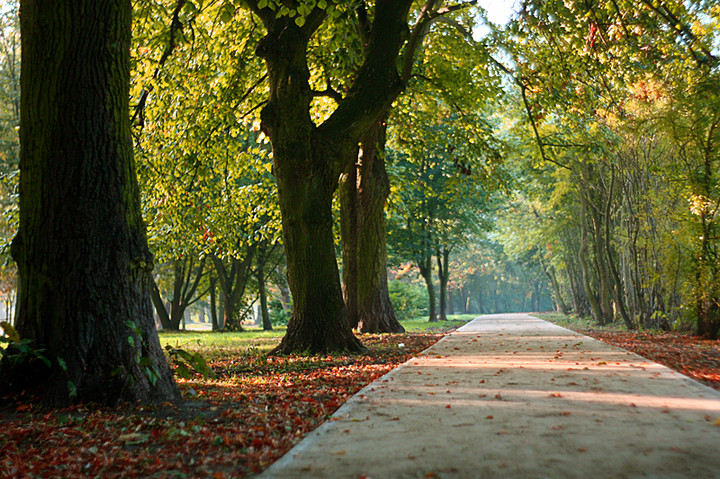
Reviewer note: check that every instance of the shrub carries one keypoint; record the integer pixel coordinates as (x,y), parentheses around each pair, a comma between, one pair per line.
(409,300)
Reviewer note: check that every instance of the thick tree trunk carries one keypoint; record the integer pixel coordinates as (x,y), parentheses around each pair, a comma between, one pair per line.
(319,322)
(348,194)
(83,262)
(375,311)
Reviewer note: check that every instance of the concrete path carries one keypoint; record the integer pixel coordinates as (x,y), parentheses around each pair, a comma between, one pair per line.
(511,396)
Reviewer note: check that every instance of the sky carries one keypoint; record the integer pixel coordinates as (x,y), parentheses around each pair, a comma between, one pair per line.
(499,11)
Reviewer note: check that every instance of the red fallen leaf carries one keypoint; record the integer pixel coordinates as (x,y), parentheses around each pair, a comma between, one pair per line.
(566,413)
(489,417)
(482,381)
(447,407)
(582,449)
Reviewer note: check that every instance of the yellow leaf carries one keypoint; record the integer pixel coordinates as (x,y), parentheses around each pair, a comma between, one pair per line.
(716,422)
(10,332)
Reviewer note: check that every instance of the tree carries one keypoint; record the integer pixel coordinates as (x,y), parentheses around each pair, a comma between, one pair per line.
(186,277)
(309,157)
(204,166)
(610,90)
(83,261)
(441,170)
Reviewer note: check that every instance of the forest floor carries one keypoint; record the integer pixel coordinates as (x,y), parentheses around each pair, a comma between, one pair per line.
(233,426)
(257,409)
(683,352)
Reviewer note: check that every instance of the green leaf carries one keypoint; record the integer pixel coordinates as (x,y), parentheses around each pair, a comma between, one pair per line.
(183,371)
(72,389)
(299,21)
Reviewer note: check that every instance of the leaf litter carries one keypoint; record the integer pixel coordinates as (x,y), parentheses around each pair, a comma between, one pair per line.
(233,426)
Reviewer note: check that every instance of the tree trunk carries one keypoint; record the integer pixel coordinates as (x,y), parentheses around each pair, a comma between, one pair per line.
(184,290)
(426,272)
(375,311)
(584,267)
(264,313)
(284,291)
(157,301)
(83,263)
(213,304)
(309,159)
(556,293)
(443,259)
(617,285)
(233,282)
(348,194)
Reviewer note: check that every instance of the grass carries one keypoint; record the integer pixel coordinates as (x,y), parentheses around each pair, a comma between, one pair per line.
(577,323)
(421,324)
(254,342)
(217,344)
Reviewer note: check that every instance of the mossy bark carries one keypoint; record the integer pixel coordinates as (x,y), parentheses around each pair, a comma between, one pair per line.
(364,190)
(81,249)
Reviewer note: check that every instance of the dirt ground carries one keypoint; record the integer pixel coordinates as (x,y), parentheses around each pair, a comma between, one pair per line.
(515,397)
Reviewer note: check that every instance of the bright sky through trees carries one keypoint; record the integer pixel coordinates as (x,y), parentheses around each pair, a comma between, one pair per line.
(498,11)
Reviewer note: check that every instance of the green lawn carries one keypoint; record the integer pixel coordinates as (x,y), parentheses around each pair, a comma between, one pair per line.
(577,323)
(421,324)
(254,341)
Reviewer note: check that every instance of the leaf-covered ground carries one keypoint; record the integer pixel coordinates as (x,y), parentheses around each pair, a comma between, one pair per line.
(231,427)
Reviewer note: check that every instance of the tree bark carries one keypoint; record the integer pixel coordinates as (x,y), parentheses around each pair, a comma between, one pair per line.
(348,194)
(262,293)
(443,259)
(584,267)
(426,272)
(83,263)
(363,216)
(213,303)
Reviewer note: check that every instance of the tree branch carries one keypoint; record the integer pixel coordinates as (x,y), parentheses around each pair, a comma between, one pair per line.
(175,28)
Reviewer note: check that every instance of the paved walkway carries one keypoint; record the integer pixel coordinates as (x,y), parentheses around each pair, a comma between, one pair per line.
(511,396)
